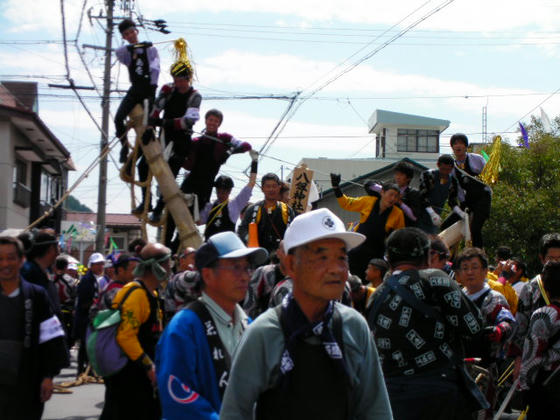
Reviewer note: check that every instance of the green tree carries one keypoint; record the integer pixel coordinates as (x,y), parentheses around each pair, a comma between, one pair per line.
(525,202)
(73,204)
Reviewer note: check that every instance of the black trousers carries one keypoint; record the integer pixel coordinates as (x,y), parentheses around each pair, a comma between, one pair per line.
(428,396)
(82,355)
(130,395)
(480,210)
(18,404)
(134,95)
(542,401)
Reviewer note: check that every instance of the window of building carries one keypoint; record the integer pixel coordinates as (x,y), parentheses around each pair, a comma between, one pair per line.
(22,194)
(421,141)
(50,188)
(20,172)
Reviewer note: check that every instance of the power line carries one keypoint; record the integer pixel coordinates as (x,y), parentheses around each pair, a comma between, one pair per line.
(278,96)
(30,41)
(367,56)
(352,28)
(532,109)
(450,42)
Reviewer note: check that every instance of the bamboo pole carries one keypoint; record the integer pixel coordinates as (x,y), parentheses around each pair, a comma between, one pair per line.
(172,195)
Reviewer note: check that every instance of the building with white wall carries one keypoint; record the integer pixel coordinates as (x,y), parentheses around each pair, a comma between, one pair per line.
(34,164)
(405,135)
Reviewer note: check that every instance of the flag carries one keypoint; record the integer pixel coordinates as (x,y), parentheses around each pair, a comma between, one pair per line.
(113,246)
(524,135)
(72,231)
(545,121)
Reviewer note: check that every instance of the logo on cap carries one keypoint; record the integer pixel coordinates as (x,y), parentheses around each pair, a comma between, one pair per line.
(328,223)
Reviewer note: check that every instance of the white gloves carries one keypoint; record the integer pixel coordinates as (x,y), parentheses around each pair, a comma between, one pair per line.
(459,212)
(254,155)
(436,219)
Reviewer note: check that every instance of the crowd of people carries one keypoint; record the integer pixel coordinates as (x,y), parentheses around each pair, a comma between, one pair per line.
(230,331)
(315,322)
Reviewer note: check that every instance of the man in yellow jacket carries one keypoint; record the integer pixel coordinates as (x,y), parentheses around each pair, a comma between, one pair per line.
(378,218)
(130,393)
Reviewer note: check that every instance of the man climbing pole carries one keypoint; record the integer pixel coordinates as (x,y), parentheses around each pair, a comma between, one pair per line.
(180,104)
(205,157)
(142,60)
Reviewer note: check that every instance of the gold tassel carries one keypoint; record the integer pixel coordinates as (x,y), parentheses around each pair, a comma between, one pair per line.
(181,57)
(490,172)
(180,46)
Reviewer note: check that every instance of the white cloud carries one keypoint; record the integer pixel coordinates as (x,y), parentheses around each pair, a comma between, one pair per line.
(473,15)
(33,15)
(291,73)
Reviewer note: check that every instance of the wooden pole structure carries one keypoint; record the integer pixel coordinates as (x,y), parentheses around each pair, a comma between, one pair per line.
(106,104)
(172,195)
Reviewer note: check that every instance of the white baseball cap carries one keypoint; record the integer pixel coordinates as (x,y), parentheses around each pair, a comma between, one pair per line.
(316,225)
(95,258)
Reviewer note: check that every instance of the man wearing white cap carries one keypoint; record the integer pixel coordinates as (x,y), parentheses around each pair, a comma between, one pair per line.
(194,353)
(89,287)
(310,357)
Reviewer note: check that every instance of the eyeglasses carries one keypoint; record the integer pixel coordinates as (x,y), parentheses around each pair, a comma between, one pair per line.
(237,269)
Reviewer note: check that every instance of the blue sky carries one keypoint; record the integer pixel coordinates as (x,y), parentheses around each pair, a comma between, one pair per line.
(502,54)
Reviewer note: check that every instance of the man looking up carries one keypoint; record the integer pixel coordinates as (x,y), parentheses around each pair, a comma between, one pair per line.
(271,216)
(194,353)
(222,215)
(514,272)
(311,357)
(32,345)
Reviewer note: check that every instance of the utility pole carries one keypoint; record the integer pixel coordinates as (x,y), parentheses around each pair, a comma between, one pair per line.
(485,124)
(105,104)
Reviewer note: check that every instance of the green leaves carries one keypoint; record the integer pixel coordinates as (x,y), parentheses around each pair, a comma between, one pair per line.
(525,203)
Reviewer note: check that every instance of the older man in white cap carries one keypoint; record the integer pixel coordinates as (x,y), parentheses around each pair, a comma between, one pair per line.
(310,357)
(89,287)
